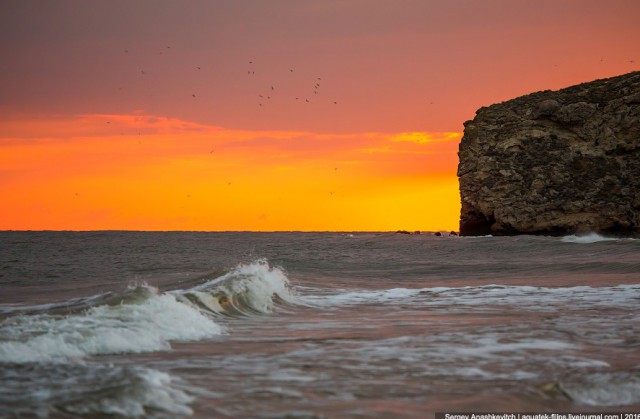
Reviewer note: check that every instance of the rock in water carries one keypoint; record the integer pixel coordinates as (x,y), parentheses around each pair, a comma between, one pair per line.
(554,162)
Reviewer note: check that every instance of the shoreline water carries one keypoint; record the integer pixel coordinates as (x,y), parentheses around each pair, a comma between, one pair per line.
(315,324)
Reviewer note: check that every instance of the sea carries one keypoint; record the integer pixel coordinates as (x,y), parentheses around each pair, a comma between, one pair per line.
(316,325)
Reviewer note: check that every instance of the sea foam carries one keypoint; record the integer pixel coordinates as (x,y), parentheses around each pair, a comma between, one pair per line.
(140,319)
(90,390)
(587,238)
(141,326)
(531,298)
(253,288)
(604,389)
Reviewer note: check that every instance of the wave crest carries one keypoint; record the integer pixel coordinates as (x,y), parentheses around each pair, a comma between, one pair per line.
(587,238)
(91,390)
(254,288)
(140,319)
(137,320)
(604,389)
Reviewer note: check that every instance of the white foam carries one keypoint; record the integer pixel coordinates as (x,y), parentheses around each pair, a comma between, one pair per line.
(605,389)
(586,238)
(578,362)
(479,373)
(152,391)
(128,328)
(488,346)
(255,284)
(475,237)
(362,297)
(529,298)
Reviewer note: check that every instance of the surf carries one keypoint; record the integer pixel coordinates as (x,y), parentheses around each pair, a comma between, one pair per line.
(145,324)
(255,288)
(587,238)
(141,318)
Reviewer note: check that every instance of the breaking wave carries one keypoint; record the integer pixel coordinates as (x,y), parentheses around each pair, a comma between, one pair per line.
(604,389)
(78,390)
(139,319)
(587,238)
(129,327)
(255,288)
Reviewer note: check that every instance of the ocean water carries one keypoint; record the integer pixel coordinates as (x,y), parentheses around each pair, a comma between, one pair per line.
(271,325)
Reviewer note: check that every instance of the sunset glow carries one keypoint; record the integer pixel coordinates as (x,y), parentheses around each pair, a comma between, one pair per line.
(263,116)
(154,173)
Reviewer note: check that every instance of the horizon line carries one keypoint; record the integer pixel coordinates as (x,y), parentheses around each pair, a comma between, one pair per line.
(223,231)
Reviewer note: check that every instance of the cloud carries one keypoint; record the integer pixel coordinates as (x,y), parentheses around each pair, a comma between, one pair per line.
(181,175)
(150,148)
(426,137)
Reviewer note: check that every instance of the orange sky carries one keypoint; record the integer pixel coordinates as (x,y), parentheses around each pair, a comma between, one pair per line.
(280,115)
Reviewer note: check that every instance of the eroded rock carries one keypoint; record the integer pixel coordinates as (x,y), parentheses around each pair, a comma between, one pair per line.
(555,162)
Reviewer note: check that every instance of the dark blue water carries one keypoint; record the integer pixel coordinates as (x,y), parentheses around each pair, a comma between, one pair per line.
(315,324)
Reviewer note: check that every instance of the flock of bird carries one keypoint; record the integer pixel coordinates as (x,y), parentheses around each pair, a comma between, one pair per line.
(263,98)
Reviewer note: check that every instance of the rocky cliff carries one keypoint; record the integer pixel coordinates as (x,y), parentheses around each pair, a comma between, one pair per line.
(555,162)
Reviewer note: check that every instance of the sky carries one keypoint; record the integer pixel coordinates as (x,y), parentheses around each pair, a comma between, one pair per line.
(279,115)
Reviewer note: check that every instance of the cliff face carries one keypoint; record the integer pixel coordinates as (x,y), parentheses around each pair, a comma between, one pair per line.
(555,162)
